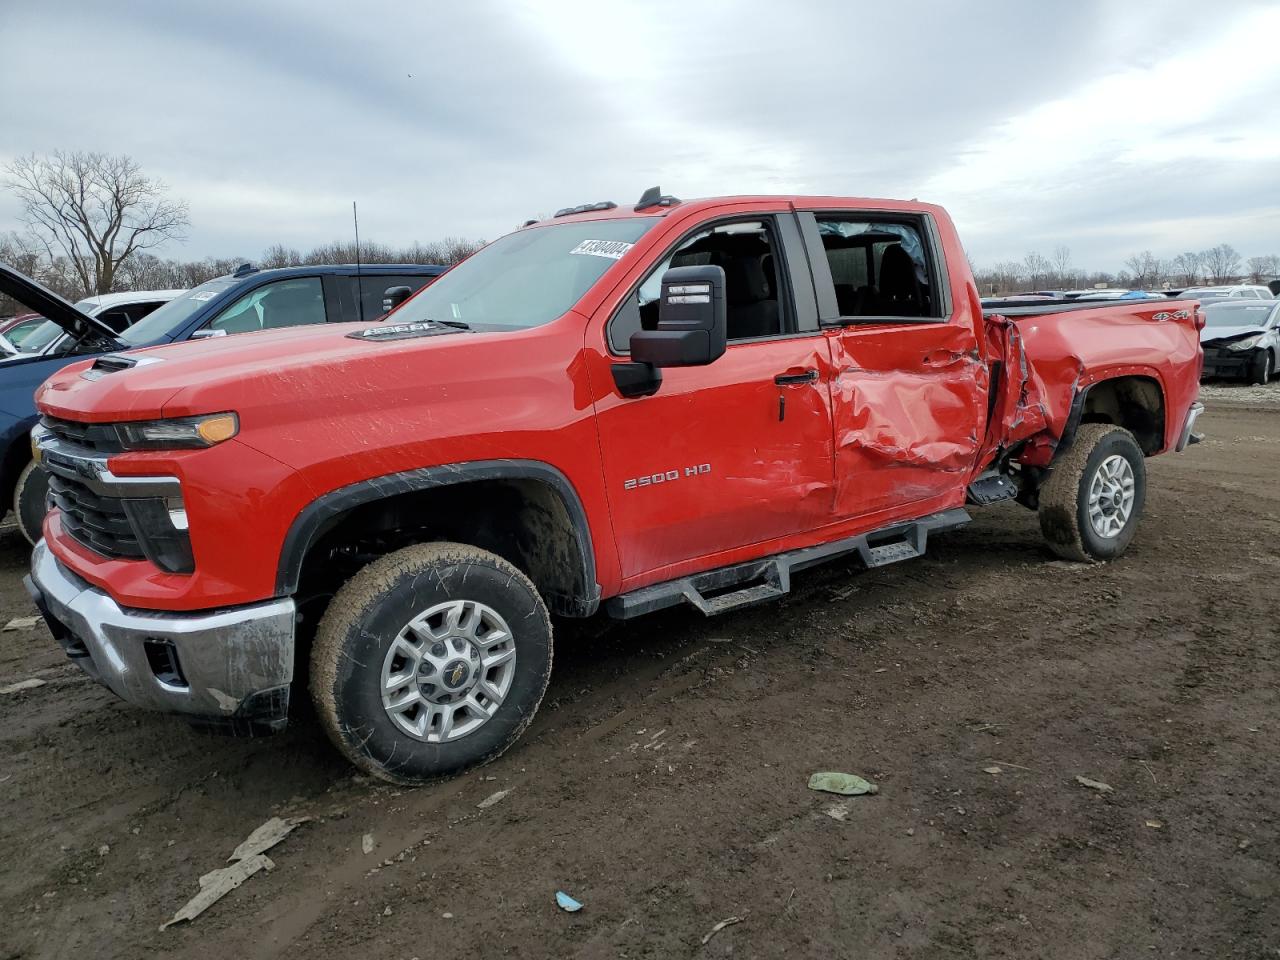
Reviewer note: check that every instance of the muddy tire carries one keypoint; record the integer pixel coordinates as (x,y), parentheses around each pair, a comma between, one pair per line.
(1260,369)
(430,660)
(29,501)
(1091,504)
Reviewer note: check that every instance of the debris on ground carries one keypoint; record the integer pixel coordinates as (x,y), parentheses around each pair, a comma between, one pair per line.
(726,922)
(266,837)
(29,684)
(490,800)
(216,884)
(845,784)
(1094,784)
(20,623)
(104,850)
(837,811)
(1154,824)
(366,844)
(246,860)
(567,903)
(992,770)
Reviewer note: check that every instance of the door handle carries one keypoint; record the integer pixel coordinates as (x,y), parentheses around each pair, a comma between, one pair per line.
(790,379)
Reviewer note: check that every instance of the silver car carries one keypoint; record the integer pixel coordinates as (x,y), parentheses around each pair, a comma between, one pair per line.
(1241,338)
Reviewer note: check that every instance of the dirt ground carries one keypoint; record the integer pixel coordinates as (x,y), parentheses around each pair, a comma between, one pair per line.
(664,782)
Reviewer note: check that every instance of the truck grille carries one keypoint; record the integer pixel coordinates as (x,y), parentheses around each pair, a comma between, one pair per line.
(99,437)
(98,522)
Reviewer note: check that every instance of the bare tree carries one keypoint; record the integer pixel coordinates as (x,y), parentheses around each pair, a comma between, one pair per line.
(1145,269)
(1062,271)
(1262,269)
(1037,269)
(95,209)
(1187,267)
(1222,263)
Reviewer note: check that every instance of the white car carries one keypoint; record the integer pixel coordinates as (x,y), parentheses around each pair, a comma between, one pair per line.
(1246,291)
(119,311)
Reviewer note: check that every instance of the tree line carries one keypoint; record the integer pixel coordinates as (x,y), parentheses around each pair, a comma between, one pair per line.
(91,219)
(1143,270)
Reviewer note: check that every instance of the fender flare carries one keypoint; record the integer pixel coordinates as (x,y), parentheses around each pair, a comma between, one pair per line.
(313,518)
(1086,384)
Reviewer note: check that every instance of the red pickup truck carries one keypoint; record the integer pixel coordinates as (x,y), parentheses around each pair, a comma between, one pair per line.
(669,403)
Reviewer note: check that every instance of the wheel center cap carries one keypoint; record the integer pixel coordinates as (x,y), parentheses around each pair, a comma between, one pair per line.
(455,674)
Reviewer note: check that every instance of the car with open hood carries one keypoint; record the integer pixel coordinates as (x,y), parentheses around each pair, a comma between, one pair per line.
(245,301)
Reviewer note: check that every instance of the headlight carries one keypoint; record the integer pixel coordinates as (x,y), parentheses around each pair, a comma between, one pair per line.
(1248,343)
(179,434)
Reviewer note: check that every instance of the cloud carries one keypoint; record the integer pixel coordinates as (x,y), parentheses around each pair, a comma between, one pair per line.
(1092,124)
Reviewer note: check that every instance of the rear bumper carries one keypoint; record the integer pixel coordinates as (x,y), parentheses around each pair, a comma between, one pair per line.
(1186,438)
(229,669)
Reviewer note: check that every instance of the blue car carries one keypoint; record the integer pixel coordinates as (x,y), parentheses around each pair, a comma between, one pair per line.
(247,300)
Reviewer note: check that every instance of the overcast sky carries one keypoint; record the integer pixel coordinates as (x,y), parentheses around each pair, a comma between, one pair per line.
(1100,125)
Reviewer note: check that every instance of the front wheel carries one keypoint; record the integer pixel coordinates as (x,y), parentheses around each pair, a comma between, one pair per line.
(29,501)
(1093,499)
(1261,368)
(430,660)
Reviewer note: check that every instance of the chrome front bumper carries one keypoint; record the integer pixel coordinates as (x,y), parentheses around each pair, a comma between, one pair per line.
(229,667)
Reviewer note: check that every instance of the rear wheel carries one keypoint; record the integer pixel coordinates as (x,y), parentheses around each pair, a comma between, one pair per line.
(29,501)
(430,660)
(1091,504)
(1261,368)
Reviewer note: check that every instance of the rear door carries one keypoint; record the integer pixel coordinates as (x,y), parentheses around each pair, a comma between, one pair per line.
(738,452)
(908,386)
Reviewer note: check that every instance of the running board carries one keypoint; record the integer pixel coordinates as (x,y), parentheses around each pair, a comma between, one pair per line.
(758,581)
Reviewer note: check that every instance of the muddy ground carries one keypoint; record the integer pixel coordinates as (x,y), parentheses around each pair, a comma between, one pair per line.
(664,782)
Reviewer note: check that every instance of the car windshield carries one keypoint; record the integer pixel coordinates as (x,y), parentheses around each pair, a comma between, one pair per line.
(39,338)
(1237,314)
(164,321)
(526,278)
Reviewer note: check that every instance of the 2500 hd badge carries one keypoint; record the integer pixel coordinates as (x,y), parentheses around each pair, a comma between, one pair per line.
(655,478)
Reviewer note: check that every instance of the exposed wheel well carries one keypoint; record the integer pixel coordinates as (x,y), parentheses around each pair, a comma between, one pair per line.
(525,521)
(15,458)
(1135,403)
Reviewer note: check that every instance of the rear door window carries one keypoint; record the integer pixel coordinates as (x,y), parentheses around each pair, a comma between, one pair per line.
(880,266)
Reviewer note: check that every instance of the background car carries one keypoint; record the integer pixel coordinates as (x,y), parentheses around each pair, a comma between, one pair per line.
(119,311)
(1241,338)
(1246,291)
(246,300)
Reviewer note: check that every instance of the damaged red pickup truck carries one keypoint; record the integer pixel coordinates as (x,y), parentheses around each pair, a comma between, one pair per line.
(672,403)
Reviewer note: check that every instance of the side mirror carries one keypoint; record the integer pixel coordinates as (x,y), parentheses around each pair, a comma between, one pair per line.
(692,323)
(392,297)
(208,333)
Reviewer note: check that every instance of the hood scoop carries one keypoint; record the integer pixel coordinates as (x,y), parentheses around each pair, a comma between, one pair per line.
(402,331)
(114,363)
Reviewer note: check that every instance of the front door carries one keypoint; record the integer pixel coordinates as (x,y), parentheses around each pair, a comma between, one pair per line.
(735,453)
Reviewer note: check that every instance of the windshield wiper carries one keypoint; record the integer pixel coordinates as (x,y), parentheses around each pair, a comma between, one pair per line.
(457,324)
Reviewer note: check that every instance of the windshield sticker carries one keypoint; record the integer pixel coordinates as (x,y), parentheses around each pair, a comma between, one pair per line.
(205,295)
(612,249)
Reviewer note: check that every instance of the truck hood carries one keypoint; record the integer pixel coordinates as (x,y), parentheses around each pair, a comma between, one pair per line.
(221,373)
(40,299)
(1229,333)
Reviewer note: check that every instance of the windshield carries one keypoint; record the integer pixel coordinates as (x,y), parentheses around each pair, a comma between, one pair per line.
(1237,314)
(526,278)
(164,321)
(39,338)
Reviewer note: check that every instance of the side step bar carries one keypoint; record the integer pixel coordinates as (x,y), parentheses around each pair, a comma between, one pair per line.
(770,577)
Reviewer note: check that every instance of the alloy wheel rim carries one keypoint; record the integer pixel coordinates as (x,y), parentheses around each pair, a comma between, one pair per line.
(448,671)
(1111,496)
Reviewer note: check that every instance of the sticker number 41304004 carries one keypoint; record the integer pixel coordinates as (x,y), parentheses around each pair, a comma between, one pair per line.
(667,476)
